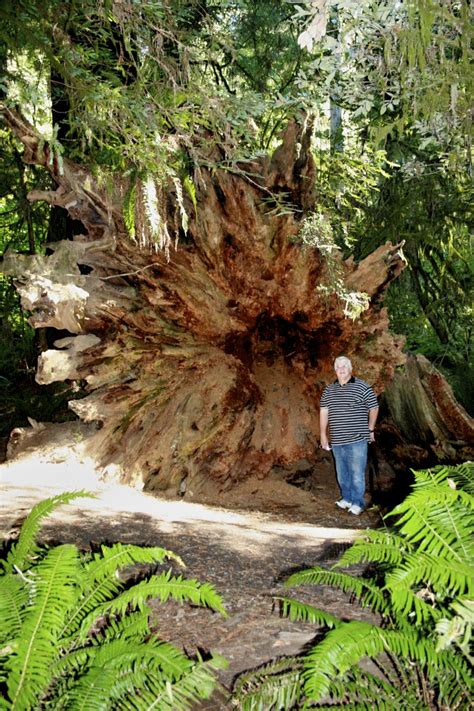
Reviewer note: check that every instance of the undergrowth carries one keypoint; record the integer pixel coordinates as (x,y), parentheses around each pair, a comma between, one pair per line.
(418,582)
(75,628)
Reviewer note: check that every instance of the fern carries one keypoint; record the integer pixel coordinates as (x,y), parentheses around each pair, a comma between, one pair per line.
(443,518)
(457,630)
(25,549)
(116,670)
(197,683)
(462,477)
(14,596)
(365,591)
(302,612)
(191,190)
(276,685)
(419,582)
(379,546)
(163,586)
(76,633)
(52,595)
(101,580)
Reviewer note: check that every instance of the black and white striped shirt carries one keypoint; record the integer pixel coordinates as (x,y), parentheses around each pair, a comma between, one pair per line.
(348,407)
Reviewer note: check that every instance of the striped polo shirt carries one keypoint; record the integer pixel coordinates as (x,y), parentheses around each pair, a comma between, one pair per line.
(349,407)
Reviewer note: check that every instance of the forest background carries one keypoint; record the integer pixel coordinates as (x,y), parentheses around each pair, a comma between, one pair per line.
(136,89)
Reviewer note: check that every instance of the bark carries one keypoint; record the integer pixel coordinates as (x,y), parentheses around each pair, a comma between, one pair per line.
(424,423)
(206,368)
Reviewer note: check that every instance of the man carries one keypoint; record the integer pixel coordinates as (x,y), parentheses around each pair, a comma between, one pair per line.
(349,409)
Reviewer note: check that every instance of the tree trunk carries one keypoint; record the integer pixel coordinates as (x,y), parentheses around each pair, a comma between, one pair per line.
(205,368)
(424,424)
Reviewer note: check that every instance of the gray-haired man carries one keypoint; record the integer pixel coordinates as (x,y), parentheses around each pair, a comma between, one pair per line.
(349,410)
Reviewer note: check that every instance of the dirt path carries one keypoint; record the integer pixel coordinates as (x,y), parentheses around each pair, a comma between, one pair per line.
(245,555)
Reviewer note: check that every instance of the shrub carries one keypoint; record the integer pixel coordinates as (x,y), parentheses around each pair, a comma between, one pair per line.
(419,583)
(75,631)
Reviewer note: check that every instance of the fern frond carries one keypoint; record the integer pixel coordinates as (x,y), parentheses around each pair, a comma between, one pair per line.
(339,651)
(162,586)
(277,685)
(123,654)
(453,692)
(409,606)
(142,687)
(196,684)
(93,691)
(118,556)
(53,593)
(191,190)
(444,669)
(343,648)
(421,575)
(101,580)
(361,690)
(90,604)
(420,570)
(45,662)
(25,548)
(436,517)
(463,476)
(457,630)
(363,589)
(131,629)
(298,611)
(135,625)
(323,662)
(14,596)
(375,546)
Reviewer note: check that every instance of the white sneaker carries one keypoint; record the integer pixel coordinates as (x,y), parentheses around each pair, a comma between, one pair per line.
(343,504)
(354,509)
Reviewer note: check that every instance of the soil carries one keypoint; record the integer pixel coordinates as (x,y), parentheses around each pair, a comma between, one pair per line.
(246,552)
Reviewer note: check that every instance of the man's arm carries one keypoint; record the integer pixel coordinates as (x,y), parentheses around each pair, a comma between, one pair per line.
(373,414)
(323,427)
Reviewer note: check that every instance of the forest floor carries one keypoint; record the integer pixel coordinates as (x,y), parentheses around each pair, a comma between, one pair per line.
(246,554)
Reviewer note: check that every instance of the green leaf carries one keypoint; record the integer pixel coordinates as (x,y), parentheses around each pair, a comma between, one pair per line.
(24,549)
(52,592)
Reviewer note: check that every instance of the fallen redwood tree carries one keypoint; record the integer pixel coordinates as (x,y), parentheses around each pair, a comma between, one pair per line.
(204,364)
(423,424)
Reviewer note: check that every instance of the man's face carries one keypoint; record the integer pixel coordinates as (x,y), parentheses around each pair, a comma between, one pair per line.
(343,372)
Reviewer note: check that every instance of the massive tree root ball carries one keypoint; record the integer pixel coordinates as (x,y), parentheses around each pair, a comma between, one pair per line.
(204,363)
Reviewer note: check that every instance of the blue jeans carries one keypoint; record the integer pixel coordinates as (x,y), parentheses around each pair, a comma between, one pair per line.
(351,460)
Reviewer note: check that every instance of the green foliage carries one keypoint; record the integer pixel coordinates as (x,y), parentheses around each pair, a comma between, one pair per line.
(18,350)
(426,203)
(75,628)
(431,302)
(419,584)
(316,232)
(147,81)
(402,74)
(348,184)
(23,226)
(394,63)
(271,687)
